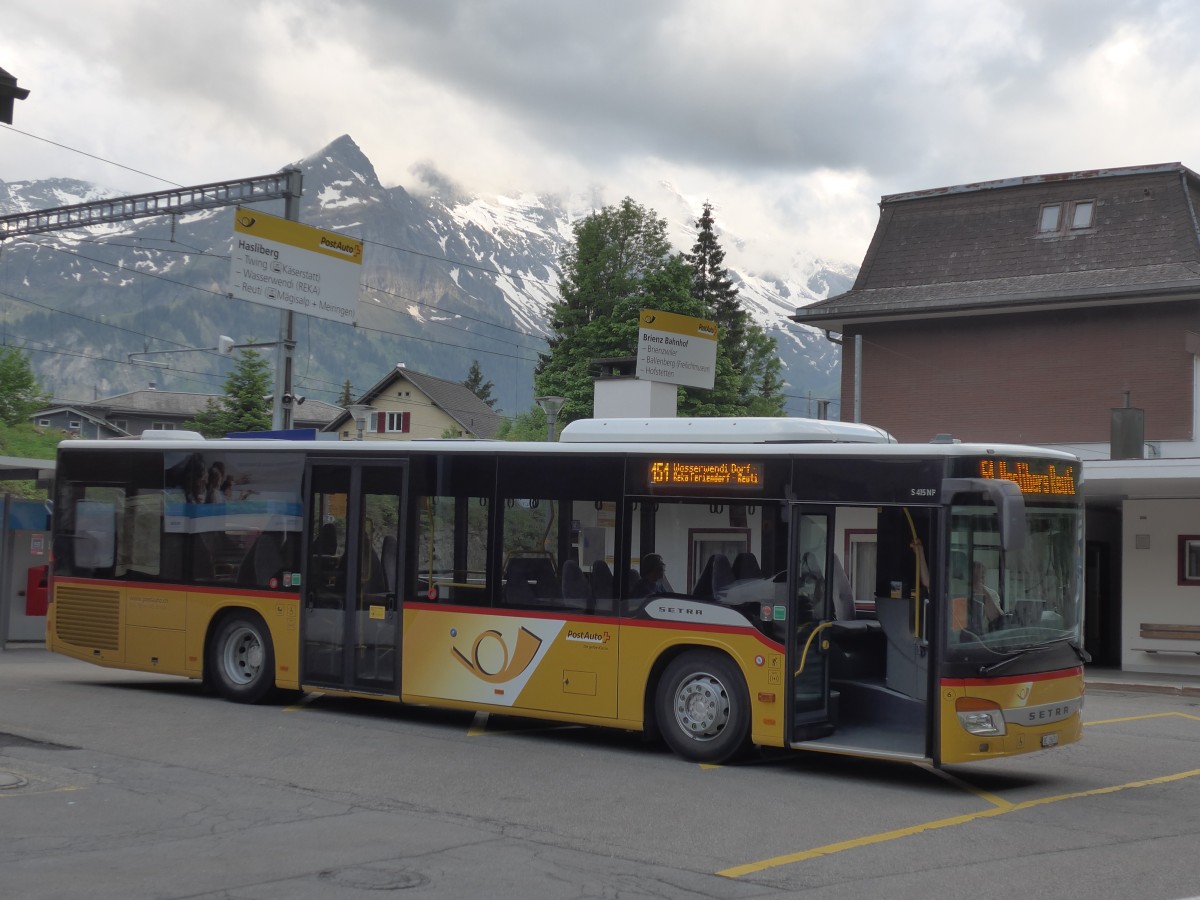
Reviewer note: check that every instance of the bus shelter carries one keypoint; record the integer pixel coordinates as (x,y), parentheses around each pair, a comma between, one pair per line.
(24,554)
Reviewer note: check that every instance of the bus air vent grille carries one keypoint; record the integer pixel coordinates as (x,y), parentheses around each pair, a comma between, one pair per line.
(88,617)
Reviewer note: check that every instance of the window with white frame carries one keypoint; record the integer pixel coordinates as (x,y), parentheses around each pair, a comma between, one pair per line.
(396,422)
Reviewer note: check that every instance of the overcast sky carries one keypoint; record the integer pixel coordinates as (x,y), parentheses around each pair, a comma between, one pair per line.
(792,116)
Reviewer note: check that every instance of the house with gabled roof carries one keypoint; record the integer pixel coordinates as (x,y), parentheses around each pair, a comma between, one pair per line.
(1060,310)
(406,405)
(133,412)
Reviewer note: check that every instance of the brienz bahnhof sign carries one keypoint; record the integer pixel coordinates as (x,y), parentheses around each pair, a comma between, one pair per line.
(676,349)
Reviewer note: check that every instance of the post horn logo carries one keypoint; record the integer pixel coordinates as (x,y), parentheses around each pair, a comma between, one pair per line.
(510,666)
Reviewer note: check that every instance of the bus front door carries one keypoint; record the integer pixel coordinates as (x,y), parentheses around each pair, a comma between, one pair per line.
(811,614)
(351,621)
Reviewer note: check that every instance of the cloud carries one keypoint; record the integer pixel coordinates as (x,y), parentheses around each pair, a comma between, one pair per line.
(793,117)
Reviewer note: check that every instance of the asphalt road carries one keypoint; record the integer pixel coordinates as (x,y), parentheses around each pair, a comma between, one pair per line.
(118,785)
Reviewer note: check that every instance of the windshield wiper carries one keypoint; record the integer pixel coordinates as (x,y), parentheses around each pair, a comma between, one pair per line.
(1016,654)
(1083,655)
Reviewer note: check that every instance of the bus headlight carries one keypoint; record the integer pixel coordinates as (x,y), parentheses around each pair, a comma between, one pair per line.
(981,717)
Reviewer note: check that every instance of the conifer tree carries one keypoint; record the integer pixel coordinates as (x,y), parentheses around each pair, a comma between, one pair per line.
(480,388)
(244,406)
(346,397)
(619,263)
(748,368)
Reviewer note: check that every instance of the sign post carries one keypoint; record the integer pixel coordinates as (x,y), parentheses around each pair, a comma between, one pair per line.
(296,269)
(676,349)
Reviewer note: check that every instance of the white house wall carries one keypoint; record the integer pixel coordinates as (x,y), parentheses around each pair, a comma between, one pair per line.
(1149,585)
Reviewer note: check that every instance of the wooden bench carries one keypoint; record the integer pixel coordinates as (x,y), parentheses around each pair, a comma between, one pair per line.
(1156,632)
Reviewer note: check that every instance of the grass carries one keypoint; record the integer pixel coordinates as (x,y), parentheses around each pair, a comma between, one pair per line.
(27,442)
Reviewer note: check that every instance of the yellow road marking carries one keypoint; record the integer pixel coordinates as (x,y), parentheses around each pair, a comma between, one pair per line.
(304,701)
(18,792)
(883,837)
(994,799)
(478,725)
(1163,715)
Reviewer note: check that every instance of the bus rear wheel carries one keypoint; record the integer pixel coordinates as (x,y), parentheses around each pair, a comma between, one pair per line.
(241,658)
(703,707)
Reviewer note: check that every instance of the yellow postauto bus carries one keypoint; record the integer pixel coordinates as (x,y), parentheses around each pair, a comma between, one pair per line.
(721,582)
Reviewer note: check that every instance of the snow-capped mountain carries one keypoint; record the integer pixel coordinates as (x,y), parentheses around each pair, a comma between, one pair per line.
(448,278)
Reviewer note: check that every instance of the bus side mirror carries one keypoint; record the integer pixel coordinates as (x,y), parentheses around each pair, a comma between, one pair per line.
(1006,496)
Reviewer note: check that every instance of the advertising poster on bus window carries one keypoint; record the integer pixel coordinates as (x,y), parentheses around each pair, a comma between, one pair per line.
(230,491)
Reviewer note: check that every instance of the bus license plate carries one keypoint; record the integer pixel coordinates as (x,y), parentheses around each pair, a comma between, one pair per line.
(1049,740)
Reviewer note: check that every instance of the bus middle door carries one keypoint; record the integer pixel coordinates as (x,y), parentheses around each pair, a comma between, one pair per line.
(351,622)
(809,587)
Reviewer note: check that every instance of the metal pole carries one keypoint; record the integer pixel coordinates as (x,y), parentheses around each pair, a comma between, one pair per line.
(284,402)
(858,378)
(5,576)
(550,406)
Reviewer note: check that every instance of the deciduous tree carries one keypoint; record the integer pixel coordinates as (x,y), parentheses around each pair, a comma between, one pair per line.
(20,392)
(619,263)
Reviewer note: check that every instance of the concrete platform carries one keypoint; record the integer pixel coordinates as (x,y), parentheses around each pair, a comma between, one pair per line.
(1105,679)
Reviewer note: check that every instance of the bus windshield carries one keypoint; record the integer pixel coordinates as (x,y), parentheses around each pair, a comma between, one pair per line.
(1004,601)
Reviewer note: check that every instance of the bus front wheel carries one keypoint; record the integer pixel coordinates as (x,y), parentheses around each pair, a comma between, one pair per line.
(241,659)
(703,707)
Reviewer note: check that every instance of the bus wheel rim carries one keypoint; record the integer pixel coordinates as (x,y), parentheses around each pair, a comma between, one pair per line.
(702,707)
(243,656)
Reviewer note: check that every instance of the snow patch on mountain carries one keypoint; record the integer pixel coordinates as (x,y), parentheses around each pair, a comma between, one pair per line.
(486,265)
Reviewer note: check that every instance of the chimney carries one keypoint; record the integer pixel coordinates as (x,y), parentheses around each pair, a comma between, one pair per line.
(620,394)
(1127,438)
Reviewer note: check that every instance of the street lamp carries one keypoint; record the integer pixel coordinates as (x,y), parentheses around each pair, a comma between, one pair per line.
(550,406)
(360,412)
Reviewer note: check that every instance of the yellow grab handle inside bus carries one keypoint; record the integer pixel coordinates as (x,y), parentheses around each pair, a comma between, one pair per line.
(808,643)
(917,550)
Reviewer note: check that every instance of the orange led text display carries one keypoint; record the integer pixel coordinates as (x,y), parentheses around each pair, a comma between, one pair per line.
(706,474)
(1050,481)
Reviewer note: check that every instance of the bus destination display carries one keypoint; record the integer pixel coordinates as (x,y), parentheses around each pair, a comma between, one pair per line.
(689,473)
(1039,478)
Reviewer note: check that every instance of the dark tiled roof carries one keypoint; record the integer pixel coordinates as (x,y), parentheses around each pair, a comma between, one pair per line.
(1167,282)
(183,405)
(978,245)
(147,402)
(315,412)
(452,397)
(459,402)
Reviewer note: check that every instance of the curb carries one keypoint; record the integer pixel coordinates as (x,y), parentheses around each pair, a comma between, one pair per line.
(1135,687)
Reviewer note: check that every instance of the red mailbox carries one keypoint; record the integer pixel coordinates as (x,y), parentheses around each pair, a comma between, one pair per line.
(37,593)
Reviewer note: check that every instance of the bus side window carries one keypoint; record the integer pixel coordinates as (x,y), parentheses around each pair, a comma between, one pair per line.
(95,535)
(449,536)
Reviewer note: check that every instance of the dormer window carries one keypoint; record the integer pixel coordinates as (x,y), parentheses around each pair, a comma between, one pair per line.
(1081,215)
(1050,218)
(1056,218)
